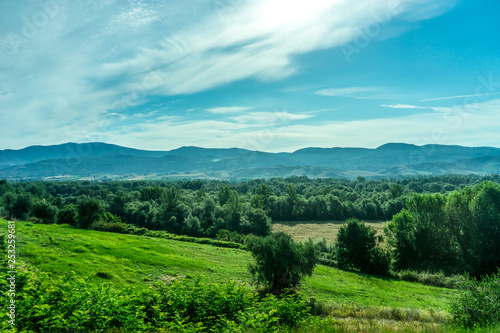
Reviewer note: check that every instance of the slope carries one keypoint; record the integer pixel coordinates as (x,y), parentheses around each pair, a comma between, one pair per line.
(136,260)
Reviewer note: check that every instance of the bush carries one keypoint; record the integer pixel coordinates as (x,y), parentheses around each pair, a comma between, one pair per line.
(478,304)
(281,263)
(124,228)
(357,248)
(72,304)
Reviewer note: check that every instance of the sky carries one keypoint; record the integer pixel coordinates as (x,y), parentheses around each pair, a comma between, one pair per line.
(268,75)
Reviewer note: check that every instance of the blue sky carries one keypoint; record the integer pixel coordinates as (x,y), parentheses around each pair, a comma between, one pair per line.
(270,75)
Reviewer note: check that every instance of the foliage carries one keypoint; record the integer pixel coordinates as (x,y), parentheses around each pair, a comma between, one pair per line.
(478,304)
(18,206)
(357,248)
(140,261)
(68,214)
(123,228)
(454,230)
(280,262)
(90,210)
(45,211)
(70,303)
(454,233)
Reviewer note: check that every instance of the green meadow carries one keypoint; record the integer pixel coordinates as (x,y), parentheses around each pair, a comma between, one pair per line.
(130,260)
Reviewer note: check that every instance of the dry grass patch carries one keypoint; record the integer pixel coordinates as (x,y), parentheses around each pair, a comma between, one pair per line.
(317,230)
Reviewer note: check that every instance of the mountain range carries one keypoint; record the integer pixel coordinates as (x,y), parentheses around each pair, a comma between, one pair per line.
(101,160)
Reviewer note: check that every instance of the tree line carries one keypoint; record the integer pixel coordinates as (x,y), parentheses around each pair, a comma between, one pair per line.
(448,223)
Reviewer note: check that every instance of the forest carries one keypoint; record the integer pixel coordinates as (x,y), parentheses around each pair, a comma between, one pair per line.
(446,223)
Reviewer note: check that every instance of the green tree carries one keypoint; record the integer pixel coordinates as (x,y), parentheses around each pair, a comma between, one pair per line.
(143,214)
(18,206)
(257,223)
(280,262)
(261,198)
(90,210)
(357,247)
(45,211)
(485,212)
(421,237)
(68,214)
(191,226)
(4,187)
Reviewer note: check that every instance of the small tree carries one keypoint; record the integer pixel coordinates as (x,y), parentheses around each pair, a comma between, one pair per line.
(357,248)
(280,262)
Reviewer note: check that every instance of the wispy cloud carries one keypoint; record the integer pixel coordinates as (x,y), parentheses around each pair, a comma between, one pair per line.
(403,106)
(268,117)
(467,125)
(146,115)
(455,97)
(352,92)
(228,109)
(93,58)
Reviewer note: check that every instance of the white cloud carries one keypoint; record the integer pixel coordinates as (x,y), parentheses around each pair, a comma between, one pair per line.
(403,106)
(455,97)
(261,118)
(92,58)
(470,125)
(137,17)
(258,39)
(228,109)
(348,92)
(146,115)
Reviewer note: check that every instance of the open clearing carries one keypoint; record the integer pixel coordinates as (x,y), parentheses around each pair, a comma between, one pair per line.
(317,230)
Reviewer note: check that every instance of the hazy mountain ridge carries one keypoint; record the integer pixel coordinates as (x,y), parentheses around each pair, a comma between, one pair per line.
(101,159)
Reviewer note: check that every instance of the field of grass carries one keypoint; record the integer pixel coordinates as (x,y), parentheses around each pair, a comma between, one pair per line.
(136,260)
(123,259)
(318,230)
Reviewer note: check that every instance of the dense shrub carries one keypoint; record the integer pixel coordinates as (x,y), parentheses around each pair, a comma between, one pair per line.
(478,304)
(71,304)
(124,228)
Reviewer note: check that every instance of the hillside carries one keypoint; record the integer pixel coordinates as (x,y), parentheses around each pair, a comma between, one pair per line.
(129,260)
(99,160)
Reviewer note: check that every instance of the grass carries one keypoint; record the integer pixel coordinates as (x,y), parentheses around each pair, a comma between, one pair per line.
(137,260)
(123,259)
(318,230)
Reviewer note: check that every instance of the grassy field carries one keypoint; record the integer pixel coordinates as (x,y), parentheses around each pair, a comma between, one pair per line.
(318,230)
(137,260)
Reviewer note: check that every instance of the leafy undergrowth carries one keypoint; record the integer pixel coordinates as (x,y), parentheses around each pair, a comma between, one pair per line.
(344,300)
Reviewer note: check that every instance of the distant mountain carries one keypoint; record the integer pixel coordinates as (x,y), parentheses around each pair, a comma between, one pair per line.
(97,160)
(69,151)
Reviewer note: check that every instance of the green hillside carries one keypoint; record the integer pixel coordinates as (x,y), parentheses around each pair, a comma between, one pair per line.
(129,260)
